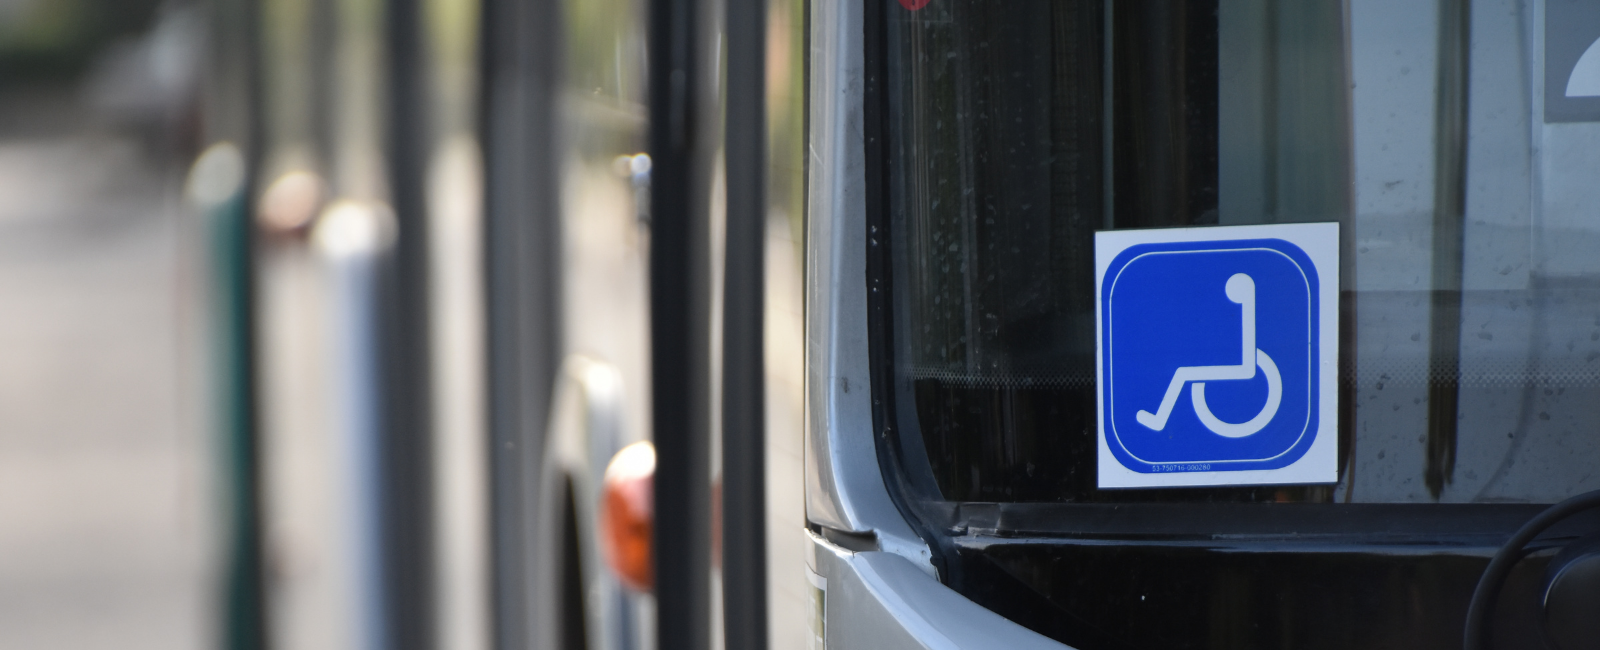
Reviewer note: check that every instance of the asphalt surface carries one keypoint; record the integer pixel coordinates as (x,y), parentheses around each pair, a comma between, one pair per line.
(106,525)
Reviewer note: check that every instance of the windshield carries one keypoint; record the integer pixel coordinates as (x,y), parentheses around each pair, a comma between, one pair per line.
(1469,312)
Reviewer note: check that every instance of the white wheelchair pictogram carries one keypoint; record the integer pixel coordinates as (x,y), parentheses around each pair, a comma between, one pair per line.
(1241,289)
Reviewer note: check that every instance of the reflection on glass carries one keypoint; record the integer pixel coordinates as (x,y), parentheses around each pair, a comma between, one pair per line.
(1017,129)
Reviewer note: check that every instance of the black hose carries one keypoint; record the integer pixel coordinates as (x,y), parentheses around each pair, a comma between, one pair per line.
(1476,634)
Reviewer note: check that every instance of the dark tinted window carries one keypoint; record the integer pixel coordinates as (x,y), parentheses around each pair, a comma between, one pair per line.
(1017,128)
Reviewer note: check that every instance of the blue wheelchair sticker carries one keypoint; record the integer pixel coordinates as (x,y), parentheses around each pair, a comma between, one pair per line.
(1211,357)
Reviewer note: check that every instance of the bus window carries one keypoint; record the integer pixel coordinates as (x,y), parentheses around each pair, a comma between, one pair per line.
(1014,130)
(1017,130)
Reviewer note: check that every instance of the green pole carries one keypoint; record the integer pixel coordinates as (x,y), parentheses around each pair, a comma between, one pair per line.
(217,190)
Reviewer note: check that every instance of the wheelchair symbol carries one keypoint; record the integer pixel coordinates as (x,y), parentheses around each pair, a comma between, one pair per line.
(1241,289)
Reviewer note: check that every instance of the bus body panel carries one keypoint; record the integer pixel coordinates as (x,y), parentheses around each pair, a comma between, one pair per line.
(875,599)
(844,483)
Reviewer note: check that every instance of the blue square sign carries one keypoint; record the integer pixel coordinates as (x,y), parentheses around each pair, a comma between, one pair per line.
(1217,355)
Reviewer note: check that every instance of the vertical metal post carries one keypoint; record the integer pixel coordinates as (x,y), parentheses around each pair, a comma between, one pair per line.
(744,539)
(220,192)
(251,611)
(235,113)
(406,428)
(522,253)
(679,330)
(354,241)
(247,621)
(1449,218)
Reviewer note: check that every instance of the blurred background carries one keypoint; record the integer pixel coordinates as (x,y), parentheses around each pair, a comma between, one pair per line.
(106,510)
(219,222)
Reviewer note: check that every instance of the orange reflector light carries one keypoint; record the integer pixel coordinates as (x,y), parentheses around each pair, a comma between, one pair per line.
(626,515)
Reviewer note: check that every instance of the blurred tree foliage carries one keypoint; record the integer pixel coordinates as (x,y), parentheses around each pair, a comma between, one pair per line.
(44,41)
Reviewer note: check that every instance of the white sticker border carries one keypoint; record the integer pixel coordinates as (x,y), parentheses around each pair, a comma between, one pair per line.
(1319,465)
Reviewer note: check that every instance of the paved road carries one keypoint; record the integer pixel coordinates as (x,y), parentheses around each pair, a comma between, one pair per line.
(104,518)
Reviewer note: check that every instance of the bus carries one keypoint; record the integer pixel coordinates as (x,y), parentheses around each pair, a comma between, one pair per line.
(999,191)
(1121,324)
